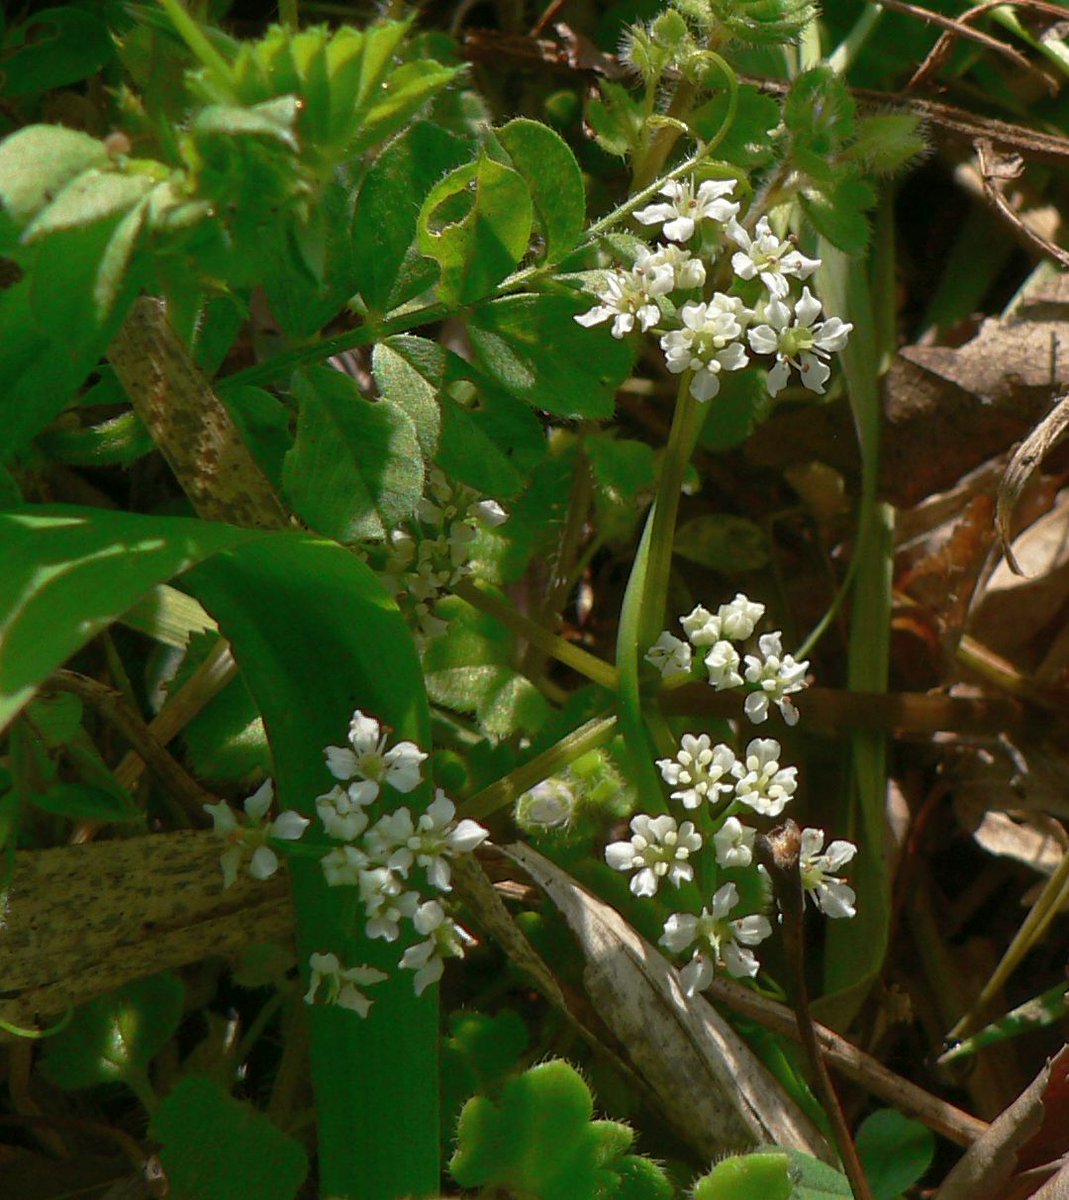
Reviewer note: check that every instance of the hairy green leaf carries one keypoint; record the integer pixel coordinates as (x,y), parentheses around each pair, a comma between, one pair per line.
(531,346)
(355,469)
(476,224)
(545,161)
(38,161)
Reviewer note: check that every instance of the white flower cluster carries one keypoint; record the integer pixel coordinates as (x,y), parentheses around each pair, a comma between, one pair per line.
(379,859)
(721,787)
(428,556)
(707,335)
(772,676)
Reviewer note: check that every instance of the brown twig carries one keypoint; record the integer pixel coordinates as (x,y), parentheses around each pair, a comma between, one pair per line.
(114,709)
(955,26)
(946,1119)
(779,853)
(938,53)
(996,170)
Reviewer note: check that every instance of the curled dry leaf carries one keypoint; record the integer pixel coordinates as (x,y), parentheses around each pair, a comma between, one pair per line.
(1034,1130)
(1026,458)
(710,1086)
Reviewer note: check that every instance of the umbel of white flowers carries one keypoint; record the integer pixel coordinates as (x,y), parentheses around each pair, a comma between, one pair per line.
(728,788)
(379,860)
(707,335)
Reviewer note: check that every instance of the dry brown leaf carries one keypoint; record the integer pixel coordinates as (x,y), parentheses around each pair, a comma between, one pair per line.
(1021,597)
(1033,839)
(1026,458)
(986,1169)
(711,1087)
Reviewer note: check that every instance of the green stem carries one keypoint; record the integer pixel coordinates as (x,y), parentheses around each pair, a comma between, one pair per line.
(195,38)
(595,669)
(551,762)
(642,613)
(288,14)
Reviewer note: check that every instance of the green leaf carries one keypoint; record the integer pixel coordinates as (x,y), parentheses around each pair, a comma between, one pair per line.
(819,113)
(538,1141)
(487,443)
(894,1151)
(226,739)
(887,141)
(814,1180)
(531,346)
(216,1148)
(638,1178)
(316,636)
(114,1037)
(92,196)
(68,573)
(414,389)
(723,543)
(748,141)
(547,164)
(402,96)
(476,224)
(616,118)
(762,1176)
(837,213)
(54,48)
(355,469)
(389,267)
(38,161)
(470,669)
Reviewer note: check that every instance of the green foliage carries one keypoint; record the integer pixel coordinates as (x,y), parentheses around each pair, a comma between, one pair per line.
(894,1151)
(512,339)
(114,1037)
(764,1176)
(723,543)
(539,1140)
(216,1148)
(556,185)
(471,668)
(476,224)
(389,266)
(355,469)
(53,48)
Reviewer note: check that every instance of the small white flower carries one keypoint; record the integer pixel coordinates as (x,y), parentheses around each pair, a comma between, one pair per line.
(385,903)
(723,662)
(343,812)
(669,655)
(765,255)
(697,770)
(445,939)
(734,844)
(708,343)
(763,784)
(739,618)
(716,940)
(631,295)
(687,270)
(549,803)
(797,342)
(833,897)
(342,984)
(367,760)
(387,841)
(250,839)
(343,866)
(686,208)
(658,849)
(778,676)
(701,627)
